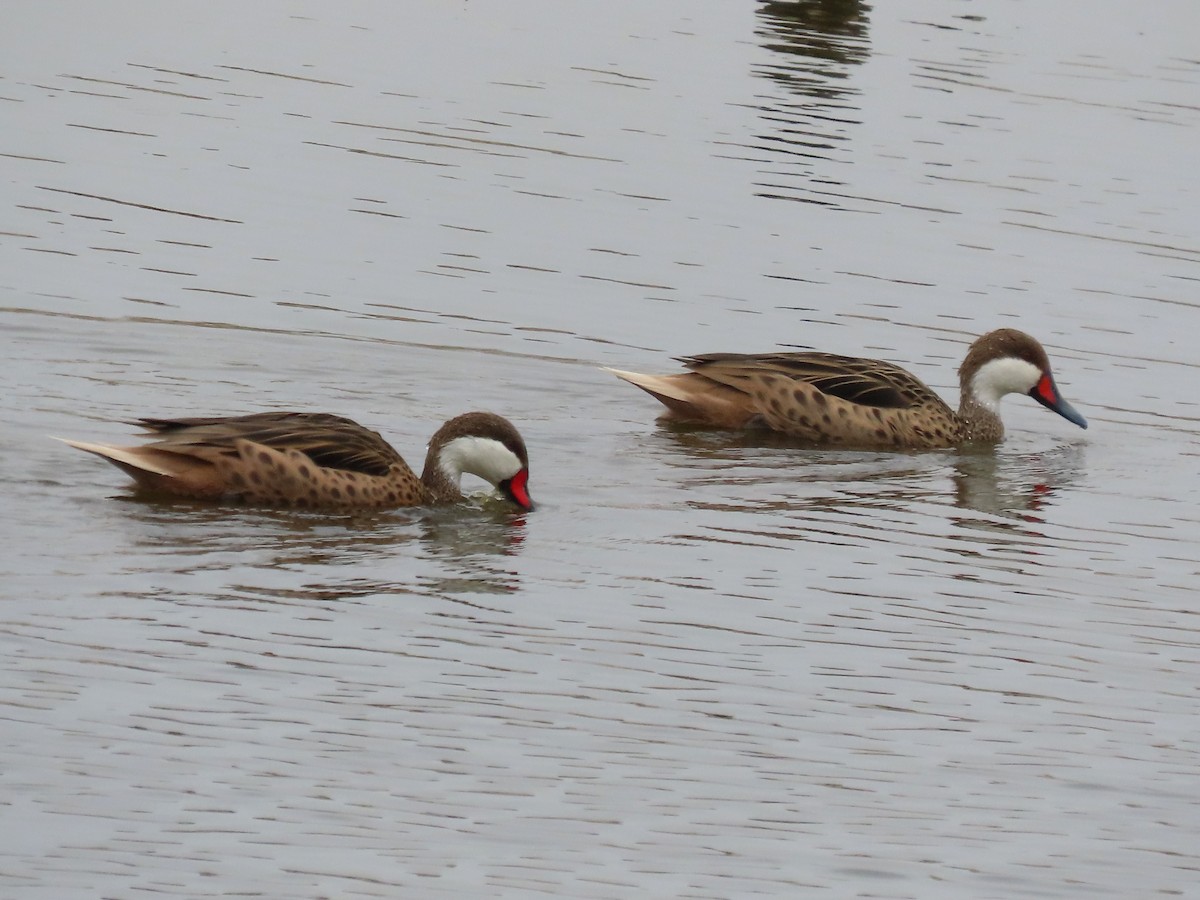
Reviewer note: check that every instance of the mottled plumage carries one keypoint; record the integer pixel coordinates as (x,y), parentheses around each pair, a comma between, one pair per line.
(318,461)
(844,401)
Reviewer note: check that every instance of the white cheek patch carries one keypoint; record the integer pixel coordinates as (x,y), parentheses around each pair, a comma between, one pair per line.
(1003,376)
(485,457)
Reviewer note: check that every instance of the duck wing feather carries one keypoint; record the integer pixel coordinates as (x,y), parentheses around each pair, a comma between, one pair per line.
(328,440)
(865,382)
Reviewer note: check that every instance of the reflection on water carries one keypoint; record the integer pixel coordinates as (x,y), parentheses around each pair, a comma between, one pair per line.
(474,549)
(465,545)
(814,45)
(1020,486)
(991,480)
(832,30)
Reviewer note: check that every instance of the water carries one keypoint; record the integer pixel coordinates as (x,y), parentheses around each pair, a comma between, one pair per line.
(706,666)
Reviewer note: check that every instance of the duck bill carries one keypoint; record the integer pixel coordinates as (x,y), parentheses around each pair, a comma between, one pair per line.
(516,489)
(1046,393)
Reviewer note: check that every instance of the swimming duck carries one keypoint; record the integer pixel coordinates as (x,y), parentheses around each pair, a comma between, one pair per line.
(844,401)
(319,461)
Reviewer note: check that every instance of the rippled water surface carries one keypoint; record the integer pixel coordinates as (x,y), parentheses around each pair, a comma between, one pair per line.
(707,665)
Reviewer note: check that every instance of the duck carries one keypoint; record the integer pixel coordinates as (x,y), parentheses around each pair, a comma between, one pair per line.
(827,400)
(318,461)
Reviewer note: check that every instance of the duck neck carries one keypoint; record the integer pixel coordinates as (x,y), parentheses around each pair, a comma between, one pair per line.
(978,420)
(442,475)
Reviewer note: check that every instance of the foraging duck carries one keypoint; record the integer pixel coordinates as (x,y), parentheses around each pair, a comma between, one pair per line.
(319,461)
(844,401)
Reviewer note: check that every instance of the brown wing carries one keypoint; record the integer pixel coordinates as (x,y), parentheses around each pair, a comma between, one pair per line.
(328,440)
(866,382)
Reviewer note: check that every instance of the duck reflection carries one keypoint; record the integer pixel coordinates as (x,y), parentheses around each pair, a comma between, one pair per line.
(832,30)
(1009,488)
(814,45)
(1013,485)
(465,549)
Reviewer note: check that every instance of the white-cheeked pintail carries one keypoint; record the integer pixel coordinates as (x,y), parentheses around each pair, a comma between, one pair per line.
(844,401)
(319,461)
